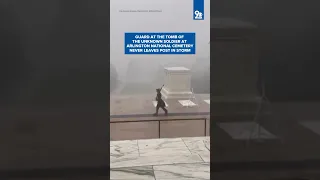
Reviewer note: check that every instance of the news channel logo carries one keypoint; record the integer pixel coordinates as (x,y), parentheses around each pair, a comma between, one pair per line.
(198,9)
(198,15)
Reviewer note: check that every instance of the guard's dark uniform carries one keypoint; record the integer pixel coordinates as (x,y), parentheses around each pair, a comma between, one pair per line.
(160,103)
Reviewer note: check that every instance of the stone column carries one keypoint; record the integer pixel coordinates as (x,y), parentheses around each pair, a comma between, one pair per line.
(234,70)
(177,83)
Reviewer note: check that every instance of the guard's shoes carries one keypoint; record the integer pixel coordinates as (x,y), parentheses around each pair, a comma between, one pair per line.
(155,114)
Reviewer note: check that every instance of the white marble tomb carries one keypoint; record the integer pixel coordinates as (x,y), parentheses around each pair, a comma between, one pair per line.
(177,83)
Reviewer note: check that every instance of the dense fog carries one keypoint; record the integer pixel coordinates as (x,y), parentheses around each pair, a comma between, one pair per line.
(141,74)
(46,45)
(45,50)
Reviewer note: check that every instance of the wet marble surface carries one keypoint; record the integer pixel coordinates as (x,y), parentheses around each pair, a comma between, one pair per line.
(165,146)
(199,146)
(124,149)
(154,160)
(138,173)
(182,171)
(143,104)
(161,159)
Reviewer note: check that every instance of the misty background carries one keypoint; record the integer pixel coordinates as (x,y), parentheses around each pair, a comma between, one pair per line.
(46,46)
(54,98)
(141,74)
(288,40)
(45,50)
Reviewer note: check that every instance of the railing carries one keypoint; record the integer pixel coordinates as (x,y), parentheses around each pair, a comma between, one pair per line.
(166,120)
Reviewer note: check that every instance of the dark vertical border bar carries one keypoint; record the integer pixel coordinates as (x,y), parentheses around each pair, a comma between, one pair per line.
(55,108)
(270,48)
(107,27)
(211,123)
(211,108)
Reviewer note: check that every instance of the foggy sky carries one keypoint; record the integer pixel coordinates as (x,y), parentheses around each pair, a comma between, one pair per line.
(59,47)
(39,29)
(175,16)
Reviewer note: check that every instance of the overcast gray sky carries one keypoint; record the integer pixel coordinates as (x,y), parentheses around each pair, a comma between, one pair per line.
(174,16)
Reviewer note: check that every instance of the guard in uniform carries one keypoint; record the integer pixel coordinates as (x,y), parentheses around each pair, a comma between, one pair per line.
(160,103)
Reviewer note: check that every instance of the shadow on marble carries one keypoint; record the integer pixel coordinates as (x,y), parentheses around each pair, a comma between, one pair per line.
(183,171)
(169,147)
(132,173)
(200,146)
(154,160)
(124,149)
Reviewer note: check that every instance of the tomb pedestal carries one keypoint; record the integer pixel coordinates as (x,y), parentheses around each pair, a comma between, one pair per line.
(177,83)
(234,71)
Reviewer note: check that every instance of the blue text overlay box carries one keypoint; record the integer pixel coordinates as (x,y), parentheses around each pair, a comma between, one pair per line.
(198,9)
(160,43)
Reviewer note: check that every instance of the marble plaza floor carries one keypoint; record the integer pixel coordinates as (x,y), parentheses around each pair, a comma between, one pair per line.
(161,159)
